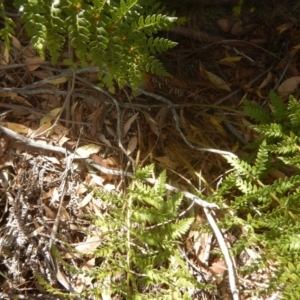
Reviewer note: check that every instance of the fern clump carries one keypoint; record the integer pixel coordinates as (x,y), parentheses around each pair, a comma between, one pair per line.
(265,206)
(139,255)
(116,36)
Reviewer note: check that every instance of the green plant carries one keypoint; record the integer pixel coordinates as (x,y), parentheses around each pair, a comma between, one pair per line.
(268,208)
(117,36)
(139,250)
(8,29)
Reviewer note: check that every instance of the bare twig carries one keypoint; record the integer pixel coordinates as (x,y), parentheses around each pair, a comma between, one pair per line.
(224,249)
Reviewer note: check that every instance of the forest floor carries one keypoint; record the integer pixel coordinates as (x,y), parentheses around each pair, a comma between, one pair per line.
(220,59)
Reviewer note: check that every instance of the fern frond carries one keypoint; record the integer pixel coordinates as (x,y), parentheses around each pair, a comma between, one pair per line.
(291,161)
(241,167)
(286,145)
(261,160)
(154,66)
(279,108)
(116,36)
(8,30)
(272,130)
(281,186)
(159,185)
(255,112)
(152,24)
(36,23)
(159,45)
(181,227)
(294,111)
(79,33)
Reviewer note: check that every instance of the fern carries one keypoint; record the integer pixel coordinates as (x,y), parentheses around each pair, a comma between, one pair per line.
(294,112)
(268,208)
(254,111)
(8,30)
(116,36)
(140,235)
(279,109)
(269,130)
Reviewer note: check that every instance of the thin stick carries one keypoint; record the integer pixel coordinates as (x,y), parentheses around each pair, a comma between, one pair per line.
(224,249)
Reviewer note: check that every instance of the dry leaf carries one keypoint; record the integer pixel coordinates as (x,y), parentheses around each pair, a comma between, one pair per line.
(35,60)
(266,81)
(47,195)
(60,130)
(4,55)
(50,115)
(63,140)
(165,160)
(59,80)
(49,212)
(42,74)
(217,124)
(110,130)
(288,86)
(224,24)
(15,97)
(90,245)
(73,107)
(16,43)
(81,189)
(151,122)
(109,187)
(87,150)
(55,196)
(63,214)
(161,116)
(17,127)
(128,123)
(86,200)
(131,145)
(52,159)
(231,59)
(63,280)
(43,128)
(96,180)
(36,232)
(282,28)
(217,81)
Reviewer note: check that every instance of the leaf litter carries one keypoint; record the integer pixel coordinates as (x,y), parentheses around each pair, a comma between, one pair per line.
(202,77)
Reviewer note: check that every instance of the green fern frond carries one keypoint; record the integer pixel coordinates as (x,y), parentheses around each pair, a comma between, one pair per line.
(181,227)
(279,109)
(242,168)
(262,159)
(255,112)
(272,130)
(35,23)
(268,208)
(159,185)
(294,111)
(116,36)
(286,145)
(291,161)
(159,45)
(246,186)
(8,29)
(154,66)
(281,186)
(144,173)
